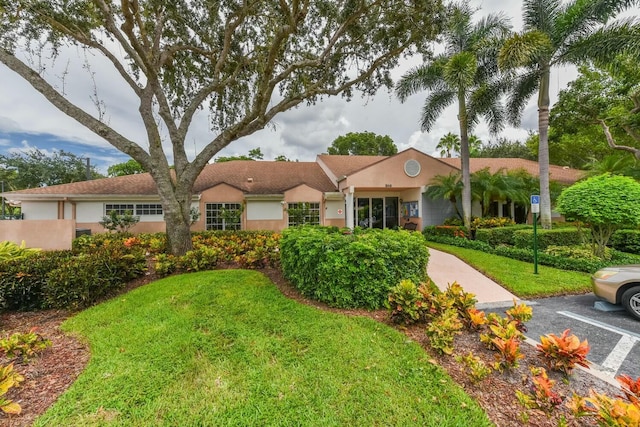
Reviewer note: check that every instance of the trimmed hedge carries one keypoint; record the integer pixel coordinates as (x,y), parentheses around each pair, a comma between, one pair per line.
(500,235)
(351,270)
(445,230)
(569,236)
(62,279)
(626,241)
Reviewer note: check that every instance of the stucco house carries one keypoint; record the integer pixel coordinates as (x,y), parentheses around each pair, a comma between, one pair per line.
(369,191)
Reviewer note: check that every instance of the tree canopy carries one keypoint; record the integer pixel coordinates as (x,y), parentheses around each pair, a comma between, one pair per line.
(504,147)
(130,167)
(363,144)
(254,154)
(557,32)
(243,62)
(605,202)
(36,168)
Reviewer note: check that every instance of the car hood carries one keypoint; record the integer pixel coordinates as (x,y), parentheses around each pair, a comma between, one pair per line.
(635,268)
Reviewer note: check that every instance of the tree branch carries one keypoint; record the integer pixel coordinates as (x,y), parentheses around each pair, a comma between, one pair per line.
(96,126)
(612,142)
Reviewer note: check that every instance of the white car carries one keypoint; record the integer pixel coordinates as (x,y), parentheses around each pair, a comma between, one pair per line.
(619,285)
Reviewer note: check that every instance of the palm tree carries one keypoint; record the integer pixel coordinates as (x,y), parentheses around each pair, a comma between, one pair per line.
(448,187)
(487,187)
(447,144)
(557,32)
(466,73)
(615,164)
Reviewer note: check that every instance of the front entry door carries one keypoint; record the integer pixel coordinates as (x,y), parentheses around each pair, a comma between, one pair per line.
(377,212)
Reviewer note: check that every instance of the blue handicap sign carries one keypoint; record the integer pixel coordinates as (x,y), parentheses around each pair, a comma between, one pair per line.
(535,200)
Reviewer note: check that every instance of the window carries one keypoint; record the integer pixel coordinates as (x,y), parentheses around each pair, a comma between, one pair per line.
(119,208)
(223,216)
(137,209)
(303,213)
(149,209)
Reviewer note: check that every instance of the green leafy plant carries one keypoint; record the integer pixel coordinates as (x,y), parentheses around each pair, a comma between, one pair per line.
(500,327)
(562,353)
(476,318)
(478,369)
(520,313)
(606,410)
(119,222)
(12,251)
(24,345)
(9,379)
(405,303)
(461,300)
(443,329)
(540,395)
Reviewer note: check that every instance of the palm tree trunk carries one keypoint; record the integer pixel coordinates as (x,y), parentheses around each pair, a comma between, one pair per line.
(464,160)
(543,148)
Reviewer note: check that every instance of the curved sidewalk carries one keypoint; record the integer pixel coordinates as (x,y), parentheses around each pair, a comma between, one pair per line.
(444,268)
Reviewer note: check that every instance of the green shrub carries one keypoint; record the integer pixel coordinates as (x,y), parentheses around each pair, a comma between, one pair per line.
(500,235)
(491,222)
(561,262)
(626,241)
(22,280)
(351,270)
(577,252)
(555,237)
(461,242)
(445,231)
(86,278)
(10,250)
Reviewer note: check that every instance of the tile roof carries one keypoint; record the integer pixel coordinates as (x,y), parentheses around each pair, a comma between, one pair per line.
(267,178)
(346,165)
(561,174)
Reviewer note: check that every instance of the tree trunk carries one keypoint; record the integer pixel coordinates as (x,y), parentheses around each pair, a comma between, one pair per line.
(176,204)
(464,161)
(543,148)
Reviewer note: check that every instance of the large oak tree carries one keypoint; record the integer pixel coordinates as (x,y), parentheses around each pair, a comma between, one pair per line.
(245,61)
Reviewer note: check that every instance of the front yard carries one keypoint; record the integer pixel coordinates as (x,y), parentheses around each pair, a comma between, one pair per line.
(227,348)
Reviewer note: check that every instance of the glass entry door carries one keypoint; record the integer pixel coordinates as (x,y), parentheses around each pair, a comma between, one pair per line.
(377,212)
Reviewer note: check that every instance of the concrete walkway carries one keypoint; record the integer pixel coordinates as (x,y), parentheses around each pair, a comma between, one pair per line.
(444,268)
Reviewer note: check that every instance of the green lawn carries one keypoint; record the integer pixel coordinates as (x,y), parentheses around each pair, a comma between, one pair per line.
(518,277)
(225,348)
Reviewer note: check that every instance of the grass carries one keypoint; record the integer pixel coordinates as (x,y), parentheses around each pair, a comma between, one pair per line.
(226,348)
(518,277)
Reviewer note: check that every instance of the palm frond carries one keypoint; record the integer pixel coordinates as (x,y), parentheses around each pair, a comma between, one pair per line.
(434,105)
(524,86)
(428,76)
(458,28)
(485,102)
(525,50)
(460,70)
(490,27)
(603,45)
(541,15)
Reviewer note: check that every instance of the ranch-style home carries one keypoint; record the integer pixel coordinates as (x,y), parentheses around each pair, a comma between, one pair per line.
(343,191)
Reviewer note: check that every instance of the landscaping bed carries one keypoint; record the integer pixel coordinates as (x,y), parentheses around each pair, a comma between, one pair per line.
(57,367)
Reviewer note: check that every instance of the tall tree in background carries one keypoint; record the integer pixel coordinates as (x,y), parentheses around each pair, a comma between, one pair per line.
(243,61)
(363,144)
(504,147)
(254,154)
(450,143)
(36,168)
(557,32)
(130,167)
(466,74)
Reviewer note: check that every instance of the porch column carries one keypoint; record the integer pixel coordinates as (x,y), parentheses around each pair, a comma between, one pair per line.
(349,208)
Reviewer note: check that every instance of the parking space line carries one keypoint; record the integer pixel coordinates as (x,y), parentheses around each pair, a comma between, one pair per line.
(600,324)
(616,358)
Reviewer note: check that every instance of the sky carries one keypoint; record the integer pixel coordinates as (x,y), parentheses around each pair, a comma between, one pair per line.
(28,121)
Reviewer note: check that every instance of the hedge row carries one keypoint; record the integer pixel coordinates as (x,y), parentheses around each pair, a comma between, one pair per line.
(587,265)
(626,241)
(351,270)
(62,279)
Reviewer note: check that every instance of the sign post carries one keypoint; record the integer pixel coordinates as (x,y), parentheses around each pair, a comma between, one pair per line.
(535,210)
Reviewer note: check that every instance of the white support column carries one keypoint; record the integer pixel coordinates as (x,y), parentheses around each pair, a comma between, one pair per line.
(350,209)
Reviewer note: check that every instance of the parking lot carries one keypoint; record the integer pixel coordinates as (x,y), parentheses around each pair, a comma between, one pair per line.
(614,336)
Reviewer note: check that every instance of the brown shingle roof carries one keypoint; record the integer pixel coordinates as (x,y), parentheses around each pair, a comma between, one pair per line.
(561,174)
(346,165)
(267,178)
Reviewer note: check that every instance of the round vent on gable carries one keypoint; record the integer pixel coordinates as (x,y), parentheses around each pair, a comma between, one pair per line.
(412,168)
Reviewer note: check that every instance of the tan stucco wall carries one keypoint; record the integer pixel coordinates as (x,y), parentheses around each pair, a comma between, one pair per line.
(48,234)
(265,225)
(141,227)
(303,193)
(391,172)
